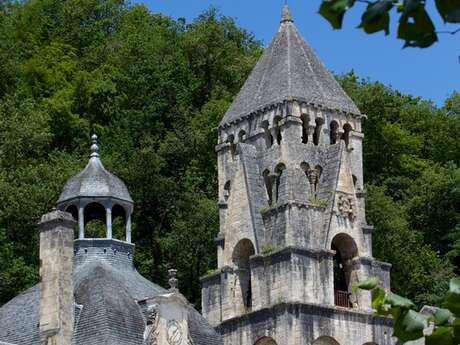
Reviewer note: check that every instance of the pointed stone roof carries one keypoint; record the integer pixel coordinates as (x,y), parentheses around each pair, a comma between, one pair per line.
(289,70)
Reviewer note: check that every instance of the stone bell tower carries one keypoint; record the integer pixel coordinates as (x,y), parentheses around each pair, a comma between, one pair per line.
(293,234)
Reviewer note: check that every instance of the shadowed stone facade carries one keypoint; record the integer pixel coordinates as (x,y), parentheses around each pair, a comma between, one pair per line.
(293,233)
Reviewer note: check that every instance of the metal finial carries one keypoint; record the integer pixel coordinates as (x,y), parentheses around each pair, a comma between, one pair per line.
(173,280)
(286,15)
(94,146)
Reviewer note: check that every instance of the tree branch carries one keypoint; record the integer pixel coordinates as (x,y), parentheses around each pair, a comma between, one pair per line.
(449,32)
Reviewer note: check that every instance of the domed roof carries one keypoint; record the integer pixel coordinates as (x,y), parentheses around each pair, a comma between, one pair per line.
(94,181)
(107,291)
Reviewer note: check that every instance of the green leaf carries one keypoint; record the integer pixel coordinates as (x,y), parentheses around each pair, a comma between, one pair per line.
(442,316)
(334,10)
(440,336)
(367,284)
(449,10)
(378,301)
(376,17)
(454,285)
(397,301)
(452,300)
(417,29)
(409,325)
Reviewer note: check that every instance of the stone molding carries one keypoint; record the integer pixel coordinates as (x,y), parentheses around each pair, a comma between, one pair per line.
(287,252)
(310,309)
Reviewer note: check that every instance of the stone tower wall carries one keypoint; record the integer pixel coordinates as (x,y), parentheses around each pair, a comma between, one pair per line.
(56,282)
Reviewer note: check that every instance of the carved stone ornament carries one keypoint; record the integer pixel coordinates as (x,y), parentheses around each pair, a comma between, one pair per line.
(346,206)
(151,330)
(174,334)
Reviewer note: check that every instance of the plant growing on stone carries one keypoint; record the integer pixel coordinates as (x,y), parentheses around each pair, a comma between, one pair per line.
(440,328)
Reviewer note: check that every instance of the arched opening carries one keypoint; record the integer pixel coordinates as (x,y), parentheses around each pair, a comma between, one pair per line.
(231,141)
(318,173)
(118,222)
(306,169)
(305,124)
(95,220)
(278,135)
(265,341)
(242,136)
(333,132)
(241,254)
(268,135)
(324,340)
(227,187)
(317,133)
(346,133)
(355,180)
(345,250)
(73,210)
(268,186)
(279,171)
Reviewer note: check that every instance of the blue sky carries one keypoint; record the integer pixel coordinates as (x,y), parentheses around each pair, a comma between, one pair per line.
(431,73)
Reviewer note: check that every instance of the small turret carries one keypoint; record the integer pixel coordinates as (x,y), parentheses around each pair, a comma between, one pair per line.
(95,193)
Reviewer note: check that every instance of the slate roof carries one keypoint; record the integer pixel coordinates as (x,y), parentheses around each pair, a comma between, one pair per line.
(94,181)
(289,70)
(107,288)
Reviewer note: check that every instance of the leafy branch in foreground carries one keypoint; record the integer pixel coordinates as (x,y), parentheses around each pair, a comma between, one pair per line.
(440,328)
(415,25)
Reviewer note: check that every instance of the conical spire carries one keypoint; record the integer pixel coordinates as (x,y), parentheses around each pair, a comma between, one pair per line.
(286,15)
(288,70)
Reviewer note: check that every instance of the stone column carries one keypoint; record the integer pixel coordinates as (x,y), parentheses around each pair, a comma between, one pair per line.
(81,222)
(128,228)
(108,221)
(56,278)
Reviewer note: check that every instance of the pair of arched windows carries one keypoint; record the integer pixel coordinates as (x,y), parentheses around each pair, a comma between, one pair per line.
(335,136)
(272,134)
(313,176)
(273,183)
(309,133)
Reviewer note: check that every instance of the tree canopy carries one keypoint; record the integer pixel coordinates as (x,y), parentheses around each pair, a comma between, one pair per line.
(154,90)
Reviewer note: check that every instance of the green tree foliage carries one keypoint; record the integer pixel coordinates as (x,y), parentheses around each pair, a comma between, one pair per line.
(439,326)
(415,26)
(154,90)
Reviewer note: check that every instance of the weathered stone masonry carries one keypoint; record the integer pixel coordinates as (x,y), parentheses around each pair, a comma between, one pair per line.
(293,233)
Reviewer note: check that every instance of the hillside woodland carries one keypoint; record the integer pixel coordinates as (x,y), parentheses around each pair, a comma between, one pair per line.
(154,89)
